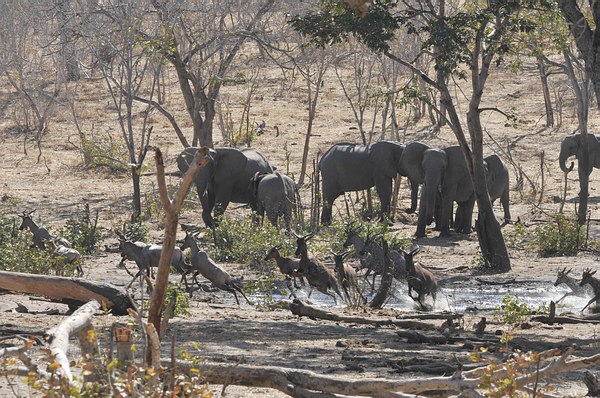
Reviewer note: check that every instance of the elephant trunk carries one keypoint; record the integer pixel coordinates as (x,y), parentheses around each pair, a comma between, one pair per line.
(562,159)
(430,191)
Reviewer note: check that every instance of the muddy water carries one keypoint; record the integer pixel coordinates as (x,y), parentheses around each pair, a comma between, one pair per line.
(464,298)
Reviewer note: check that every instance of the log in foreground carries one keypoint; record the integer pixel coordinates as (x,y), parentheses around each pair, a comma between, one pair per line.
(304,383)
(58,337)
(77,289)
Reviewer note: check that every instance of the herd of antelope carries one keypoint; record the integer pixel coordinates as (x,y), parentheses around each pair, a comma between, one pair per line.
(339,282)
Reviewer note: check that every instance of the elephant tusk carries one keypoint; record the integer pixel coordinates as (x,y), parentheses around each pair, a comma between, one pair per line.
(570,168)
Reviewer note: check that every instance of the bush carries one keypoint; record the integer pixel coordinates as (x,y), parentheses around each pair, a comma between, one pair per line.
(241,240)
(105,153)
(561,235)
(82,232)
(16,255)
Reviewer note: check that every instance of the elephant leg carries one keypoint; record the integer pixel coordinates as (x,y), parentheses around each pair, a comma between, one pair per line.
(384,191)
(422,220)
(504,199)
(220,208)
(445,216)
(466,216)
(328,199)
(287,217)
(208,204)
(272,215)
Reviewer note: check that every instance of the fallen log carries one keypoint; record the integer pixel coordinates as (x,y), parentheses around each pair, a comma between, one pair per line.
(301,309)
(58,337)
(565,319)
(304,383)
(431,316)
(77,289)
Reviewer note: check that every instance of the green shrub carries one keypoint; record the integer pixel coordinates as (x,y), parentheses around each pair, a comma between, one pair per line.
(241,240)
(336,235)
(105,152)
(135,231)
(511,311)
(561,235)
(82,231)
(16,255)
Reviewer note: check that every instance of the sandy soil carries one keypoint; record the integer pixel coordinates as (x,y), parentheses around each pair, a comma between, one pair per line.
(57,186)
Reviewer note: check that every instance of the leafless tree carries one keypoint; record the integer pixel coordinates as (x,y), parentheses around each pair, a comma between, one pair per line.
(129,76)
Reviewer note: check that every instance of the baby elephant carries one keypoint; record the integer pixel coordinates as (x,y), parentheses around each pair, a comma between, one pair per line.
(274,194)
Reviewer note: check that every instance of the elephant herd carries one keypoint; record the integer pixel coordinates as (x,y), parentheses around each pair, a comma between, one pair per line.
(442,175)
(246,176)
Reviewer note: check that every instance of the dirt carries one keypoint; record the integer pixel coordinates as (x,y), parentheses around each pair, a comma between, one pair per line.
(55,184)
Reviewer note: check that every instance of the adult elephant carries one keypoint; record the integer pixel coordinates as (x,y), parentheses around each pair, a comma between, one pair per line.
(572,146)
(498,184)
(226,177)
(274,194)
(411,167)
(446,180)
(349,167)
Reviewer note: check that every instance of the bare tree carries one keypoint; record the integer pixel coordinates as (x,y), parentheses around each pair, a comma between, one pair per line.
(129,76)
(29,64)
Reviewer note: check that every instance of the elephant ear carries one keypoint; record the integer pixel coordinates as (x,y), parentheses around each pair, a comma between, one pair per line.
(229,163)
(187,155)
(185,158)
(385,156)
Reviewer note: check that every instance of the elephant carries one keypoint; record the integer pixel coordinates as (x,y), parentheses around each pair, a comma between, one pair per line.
(225,178)
(496,175)
(571,145)
(347,167)
(446,180)
(274,193)
(411,167)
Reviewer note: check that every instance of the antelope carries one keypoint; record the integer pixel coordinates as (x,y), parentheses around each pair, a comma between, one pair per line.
(317,274)
(202,264)
(65,255)
(376,261)
(572,283)
(346,275)
(288,266)
(147,256)
(588,279)
(40,234)
(420,279)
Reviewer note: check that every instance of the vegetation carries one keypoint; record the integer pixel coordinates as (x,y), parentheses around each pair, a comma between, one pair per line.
(82,231)
(561,235)
(16,253)
(241,240)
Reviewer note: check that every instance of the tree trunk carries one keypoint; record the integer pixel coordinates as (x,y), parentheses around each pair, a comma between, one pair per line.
(137,195)
(172,215)
(82,290)
(312,112)
(67,37)
(585,38)
(546,92)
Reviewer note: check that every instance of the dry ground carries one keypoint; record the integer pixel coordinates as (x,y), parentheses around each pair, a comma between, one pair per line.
(57,186)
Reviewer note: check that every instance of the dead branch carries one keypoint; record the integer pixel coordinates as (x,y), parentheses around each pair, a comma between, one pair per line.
(58,337)
(172,215)
(299,308)
(81,290)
